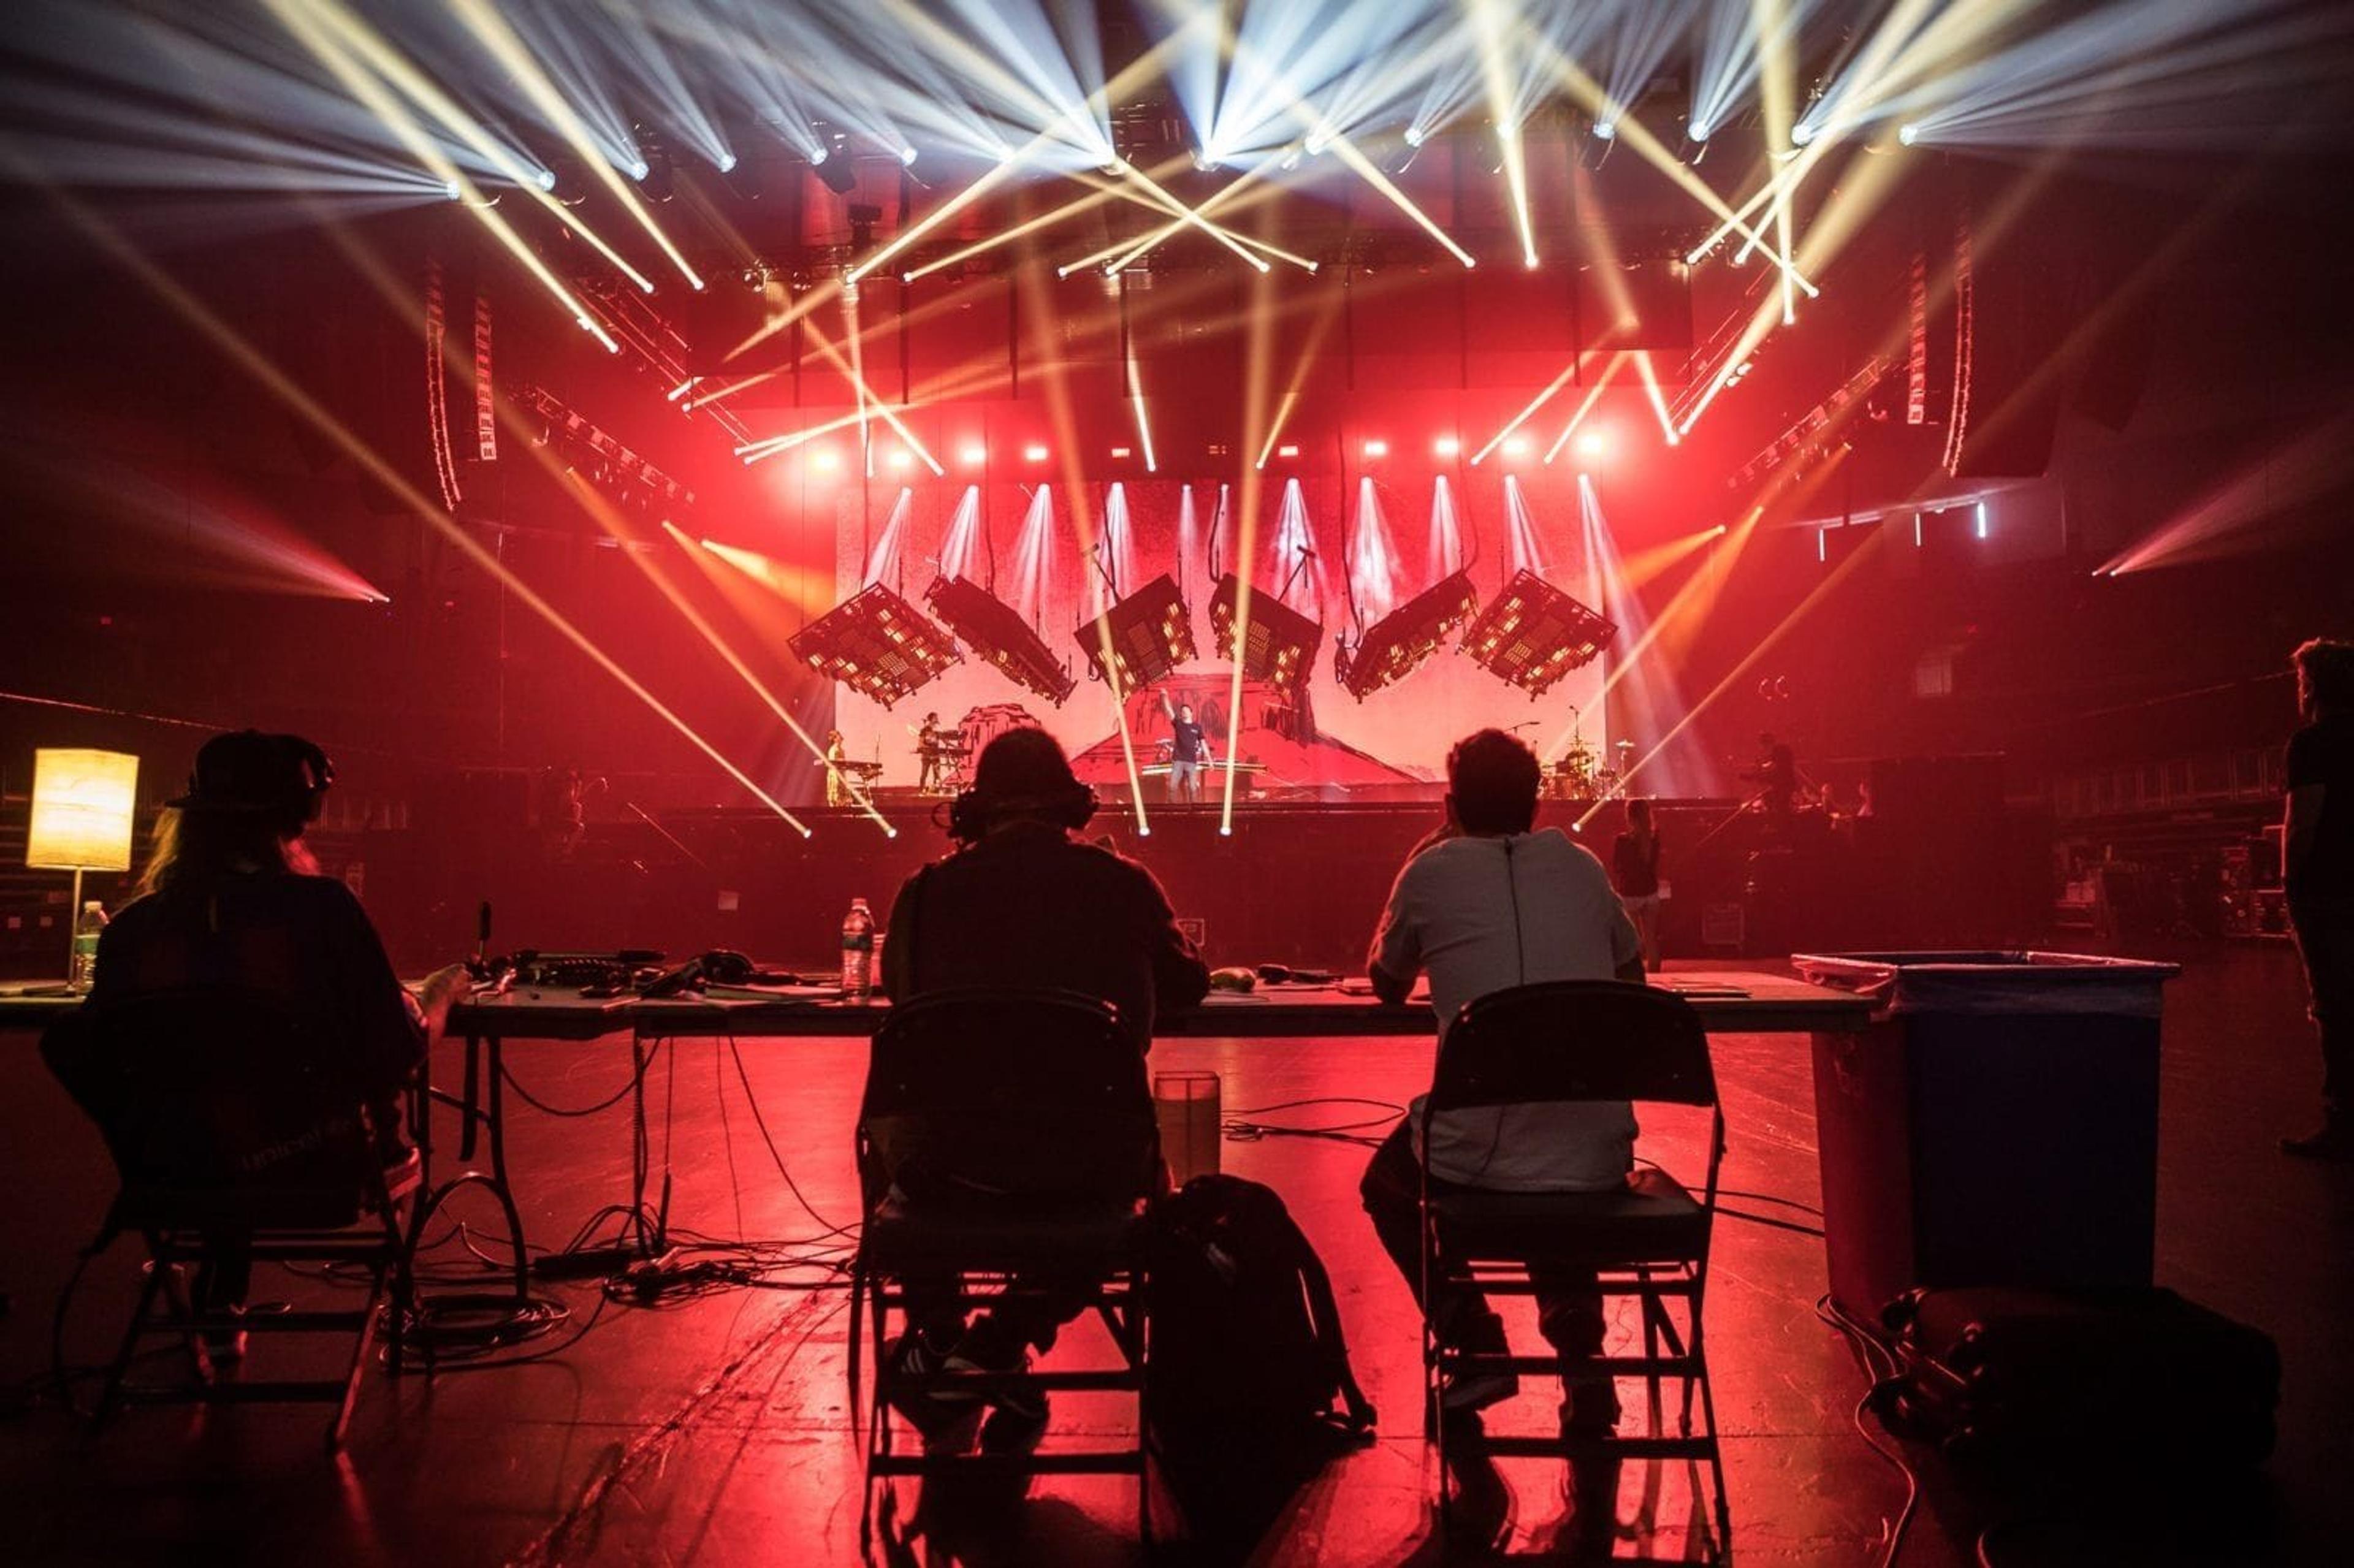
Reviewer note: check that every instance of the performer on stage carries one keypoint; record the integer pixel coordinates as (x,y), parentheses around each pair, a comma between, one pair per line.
(1635,872)
(927,753)
(837,786)
(1189,752)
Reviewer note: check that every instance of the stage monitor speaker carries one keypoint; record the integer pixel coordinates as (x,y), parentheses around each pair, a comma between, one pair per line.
(875,643)
(1145,636)
(1278,647)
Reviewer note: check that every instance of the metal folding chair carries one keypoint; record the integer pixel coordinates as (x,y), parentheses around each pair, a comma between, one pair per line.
(1003,1132)
(1567,1041)
(234,1134)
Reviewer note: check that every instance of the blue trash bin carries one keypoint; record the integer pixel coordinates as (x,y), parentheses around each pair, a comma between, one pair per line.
(1996,1125)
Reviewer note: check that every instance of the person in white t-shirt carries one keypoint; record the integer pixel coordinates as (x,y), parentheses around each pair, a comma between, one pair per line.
(1487,906)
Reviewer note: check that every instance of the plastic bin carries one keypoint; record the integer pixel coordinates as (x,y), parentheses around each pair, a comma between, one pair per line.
(1996,1125)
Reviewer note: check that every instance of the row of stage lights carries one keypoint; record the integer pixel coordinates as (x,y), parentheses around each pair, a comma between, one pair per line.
(1590,445)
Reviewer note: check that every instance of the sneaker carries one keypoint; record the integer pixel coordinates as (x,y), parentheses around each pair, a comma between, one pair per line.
(1475,1389)
(1017,1412)
(946,1419)
(2334,1141)
(1017,1425)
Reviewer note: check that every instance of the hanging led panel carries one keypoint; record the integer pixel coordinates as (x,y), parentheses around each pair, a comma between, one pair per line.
(1533,634)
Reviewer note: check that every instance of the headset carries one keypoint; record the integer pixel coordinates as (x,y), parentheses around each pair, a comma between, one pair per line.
(970,813)
(290,798)
(309,777)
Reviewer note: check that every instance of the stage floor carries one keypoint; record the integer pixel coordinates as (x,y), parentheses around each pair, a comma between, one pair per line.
(718,1432)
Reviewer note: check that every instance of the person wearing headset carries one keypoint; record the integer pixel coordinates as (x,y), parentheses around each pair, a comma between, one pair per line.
(1025,901)
(1488,906)
(232,897)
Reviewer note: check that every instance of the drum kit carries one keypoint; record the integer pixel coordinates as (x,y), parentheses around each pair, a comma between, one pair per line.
(1582,773)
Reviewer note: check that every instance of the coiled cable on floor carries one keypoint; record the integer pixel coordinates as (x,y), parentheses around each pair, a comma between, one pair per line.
(1868,1349)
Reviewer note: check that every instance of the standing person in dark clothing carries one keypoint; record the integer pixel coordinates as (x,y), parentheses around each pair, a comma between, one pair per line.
(2318,865)
(1024,902)
(1635,872)
(1189,753)
(929,754)
(233,899)
(1776,776)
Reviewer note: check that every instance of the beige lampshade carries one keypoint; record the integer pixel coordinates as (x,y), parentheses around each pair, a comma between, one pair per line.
(83,807)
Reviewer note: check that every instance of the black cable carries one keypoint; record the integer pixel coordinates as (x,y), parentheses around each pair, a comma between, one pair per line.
(61,1378)
(485,1362)
(1390,1106)
(762,1123)
(1769,1220)
(1868,1349)
(637,1077)
(1770,1198)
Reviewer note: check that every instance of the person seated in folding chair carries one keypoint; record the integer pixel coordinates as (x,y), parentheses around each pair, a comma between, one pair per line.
(233,898)
(1025,901)
(1492,905)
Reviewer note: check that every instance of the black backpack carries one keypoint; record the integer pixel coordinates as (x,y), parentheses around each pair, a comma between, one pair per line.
(1246,1344)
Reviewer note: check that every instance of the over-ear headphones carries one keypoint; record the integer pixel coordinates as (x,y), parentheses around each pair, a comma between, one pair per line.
(970,813)
(282,779)
(310,775)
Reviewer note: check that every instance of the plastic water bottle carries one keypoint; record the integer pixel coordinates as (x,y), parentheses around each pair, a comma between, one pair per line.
(87,926)
(857,951)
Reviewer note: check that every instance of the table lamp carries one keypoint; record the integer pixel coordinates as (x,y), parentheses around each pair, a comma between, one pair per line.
(84,803)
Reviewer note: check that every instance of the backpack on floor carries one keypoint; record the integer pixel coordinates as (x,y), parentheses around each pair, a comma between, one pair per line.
(1245,1337)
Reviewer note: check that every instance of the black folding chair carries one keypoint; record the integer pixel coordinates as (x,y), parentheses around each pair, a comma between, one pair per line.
(1583,1041)
(236,1132)
(1003,1132)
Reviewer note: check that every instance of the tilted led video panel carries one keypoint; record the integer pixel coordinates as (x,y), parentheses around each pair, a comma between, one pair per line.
(995,631)
(1532,634)
(877,645)
(1279,646)
(1396,646)
(1151,633)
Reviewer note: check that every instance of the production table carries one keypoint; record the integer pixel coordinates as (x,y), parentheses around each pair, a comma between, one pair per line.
(1728,1002)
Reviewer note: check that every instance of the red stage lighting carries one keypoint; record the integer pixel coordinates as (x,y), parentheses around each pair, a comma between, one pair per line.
(824,460)
(1280,648)
(974,454)
(1447,447)
(1533,634)
(1033,453)
(1286,450)
(1593,443)
(1377,448)
(995,631)
(877,645)
(1150,632)
(1395,646)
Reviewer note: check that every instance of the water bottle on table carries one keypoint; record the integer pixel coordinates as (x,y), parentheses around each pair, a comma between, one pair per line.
(857,952)
(87,926)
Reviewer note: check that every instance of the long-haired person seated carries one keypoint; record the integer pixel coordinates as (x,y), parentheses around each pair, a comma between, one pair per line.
(232,898)
(1025,901)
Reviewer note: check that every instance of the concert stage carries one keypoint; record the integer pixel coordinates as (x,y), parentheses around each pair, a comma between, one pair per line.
(1299,884)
